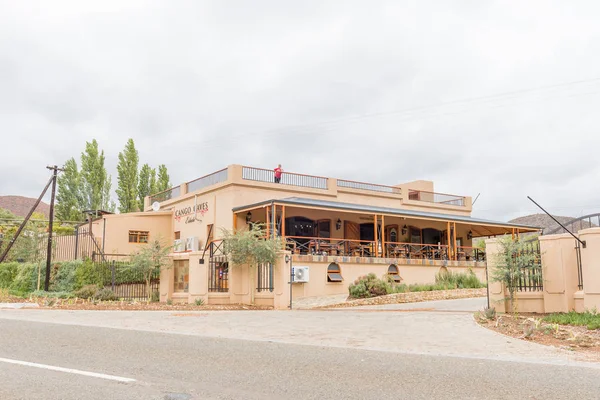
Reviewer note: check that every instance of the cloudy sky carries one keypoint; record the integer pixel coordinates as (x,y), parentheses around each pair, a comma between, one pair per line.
(493,97)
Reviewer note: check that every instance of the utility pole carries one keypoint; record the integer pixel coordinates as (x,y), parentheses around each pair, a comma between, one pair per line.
(54,170)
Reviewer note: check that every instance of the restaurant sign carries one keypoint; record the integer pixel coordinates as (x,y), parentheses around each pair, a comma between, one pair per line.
(191,213)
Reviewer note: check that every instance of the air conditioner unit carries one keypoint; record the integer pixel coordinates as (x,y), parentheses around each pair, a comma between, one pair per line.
(300,274)
(178,246)
(191,244)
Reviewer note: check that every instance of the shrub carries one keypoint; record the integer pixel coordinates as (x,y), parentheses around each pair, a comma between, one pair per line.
(87,274)
(106,295)
(26,278)
(449,280)
(155,298)
(591,319)
(87,292)
(52,295)
(8,272)
(199,302)
(65,278)
(370,286)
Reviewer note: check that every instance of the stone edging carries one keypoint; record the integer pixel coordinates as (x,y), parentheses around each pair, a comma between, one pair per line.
(412,297)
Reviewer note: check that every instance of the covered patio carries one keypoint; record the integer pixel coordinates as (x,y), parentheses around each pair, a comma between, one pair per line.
(330,228)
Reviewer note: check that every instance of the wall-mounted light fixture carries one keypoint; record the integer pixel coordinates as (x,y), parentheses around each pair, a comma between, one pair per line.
(470,235)
(248,217)
(338,224)
(404,230)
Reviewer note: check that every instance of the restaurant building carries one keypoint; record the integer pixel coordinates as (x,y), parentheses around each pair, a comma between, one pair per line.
(334,231)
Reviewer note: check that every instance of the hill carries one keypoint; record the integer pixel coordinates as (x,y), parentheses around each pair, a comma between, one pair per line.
(20,205)
(545,222)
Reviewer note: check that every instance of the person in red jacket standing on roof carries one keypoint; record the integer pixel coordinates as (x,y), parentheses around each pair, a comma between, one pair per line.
(278,172)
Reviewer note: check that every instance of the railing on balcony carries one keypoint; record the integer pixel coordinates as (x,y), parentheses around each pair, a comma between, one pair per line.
(166,195)
(287,178)
(368,186)
(438,198)
(417,251)
(465,253)
(207,180)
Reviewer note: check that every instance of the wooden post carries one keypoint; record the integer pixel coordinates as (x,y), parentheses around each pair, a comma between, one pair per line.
(454,240)
(376,241)
(234,222)
(283,224)
(383,250)
(449,244)
(268,223)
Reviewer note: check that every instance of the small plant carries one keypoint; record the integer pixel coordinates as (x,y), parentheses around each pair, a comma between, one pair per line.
(155,298)
(51,295)
(199,302)
(106,295)
(169,302)
(489,313)
(87,292)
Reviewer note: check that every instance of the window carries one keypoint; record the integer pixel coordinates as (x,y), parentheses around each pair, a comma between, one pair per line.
(415,235)
(334,274)
(181,281)
(138,236)
(394,274)
(393,235)
(177,235)
(324,228)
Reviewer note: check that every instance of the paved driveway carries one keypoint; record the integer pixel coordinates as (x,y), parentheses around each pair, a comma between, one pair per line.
(446,331)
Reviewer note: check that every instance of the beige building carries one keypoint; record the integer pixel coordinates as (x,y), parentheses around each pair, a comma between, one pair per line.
(334,231)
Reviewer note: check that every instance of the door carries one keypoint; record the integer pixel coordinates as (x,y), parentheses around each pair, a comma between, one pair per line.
(351,233)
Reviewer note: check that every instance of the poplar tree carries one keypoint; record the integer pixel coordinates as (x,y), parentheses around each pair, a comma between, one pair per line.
(127,178)
(69,197)
(95,182)
(144,185)
(164,182)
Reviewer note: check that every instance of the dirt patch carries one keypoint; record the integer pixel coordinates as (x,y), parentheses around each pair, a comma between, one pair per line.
(531,328)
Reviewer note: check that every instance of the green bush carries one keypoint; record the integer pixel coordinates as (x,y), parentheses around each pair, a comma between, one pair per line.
(591,319)
(106,295)
(155,298)
(87,274)
(460,280)
(26,278)
(64,279)
(199,302)
(87,292)
(52,295)
(370,286)
(8,272)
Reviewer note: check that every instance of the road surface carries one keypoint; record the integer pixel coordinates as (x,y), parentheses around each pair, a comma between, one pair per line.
(182,355)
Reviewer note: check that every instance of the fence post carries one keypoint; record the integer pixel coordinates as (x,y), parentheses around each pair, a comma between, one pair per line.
(112,273)
(76,241)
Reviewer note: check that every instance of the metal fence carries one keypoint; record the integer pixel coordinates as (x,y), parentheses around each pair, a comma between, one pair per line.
(208,180)
(440,198)
(265,278)
(166,195)
(218,274)
(125,282)
(368,186)
(287,178)
(531,279)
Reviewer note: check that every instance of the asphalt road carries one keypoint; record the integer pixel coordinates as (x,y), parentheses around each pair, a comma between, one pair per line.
(174,366)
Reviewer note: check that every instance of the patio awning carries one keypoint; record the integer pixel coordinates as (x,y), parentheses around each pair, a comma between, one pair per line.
(397,212)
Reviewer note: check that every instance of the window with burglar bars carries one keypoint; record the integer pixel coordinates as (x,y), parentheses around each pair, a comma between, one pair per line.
(138,236)
(218,274)
(265,278)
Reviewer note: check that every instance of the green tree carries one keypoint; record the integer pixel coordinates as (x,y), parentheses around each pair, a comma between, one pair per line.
(127,178)
(144,184)
(514,262)
(95,182)
(149,260)
(153,184)
(69,199)
(251,247)
(164,181)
